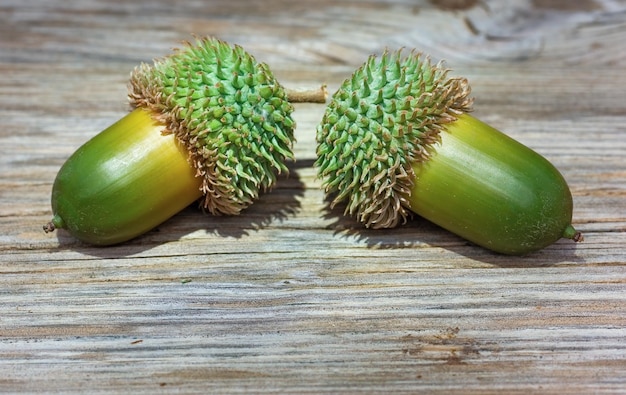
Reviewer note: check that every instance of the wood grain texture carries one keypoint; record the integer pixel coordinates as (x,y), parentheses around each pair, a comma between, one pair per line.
(292,296)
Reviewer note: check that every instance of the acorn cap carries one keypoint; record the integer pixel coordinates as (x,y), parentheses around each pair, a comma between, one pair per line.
(230,113)
(378,124)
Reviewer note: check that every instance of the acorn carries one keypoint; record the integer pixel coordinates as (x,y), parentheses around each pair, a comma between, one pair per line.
(209,123)
(396,139)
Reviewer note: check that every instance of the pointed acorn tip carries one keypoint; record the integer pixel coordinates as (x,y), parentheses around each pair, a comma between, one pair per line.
(49,227)
(571,233)
(55,223)
(578,237)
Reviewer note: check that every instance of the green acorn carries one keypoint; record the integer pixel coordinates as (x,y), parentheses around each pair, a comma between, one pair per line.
(396,138)
(209,122)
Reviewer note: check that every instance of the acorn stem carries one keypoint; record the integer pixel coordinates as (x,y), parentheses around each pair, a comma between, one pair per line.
(307,95)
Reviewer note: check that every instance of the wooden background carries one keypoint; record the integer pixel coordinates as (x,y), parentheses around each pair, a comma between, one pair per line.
(292,296)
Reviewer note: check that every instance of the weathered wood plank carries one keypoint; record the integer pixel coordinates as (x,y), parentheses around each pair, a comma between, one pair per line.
(292,296)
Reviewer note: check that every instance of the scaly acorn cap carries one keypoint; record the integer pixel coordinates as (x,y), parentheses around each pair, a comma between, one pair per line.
(380,122)
(230,113)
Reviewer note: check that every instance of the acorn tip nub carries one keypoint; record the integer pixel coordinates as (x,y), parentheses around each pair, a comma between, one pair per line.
(55,223)
(578,237)
(571,233)
(49,227)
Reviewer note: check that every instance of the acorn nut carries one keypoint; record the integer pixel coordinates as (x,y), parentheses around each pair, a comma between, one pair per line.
(396,138)
(209,123)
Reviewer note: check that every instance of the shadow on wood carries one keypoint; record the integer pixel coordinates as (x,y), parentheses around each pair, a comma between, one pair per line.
(271,207)
(419,233)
